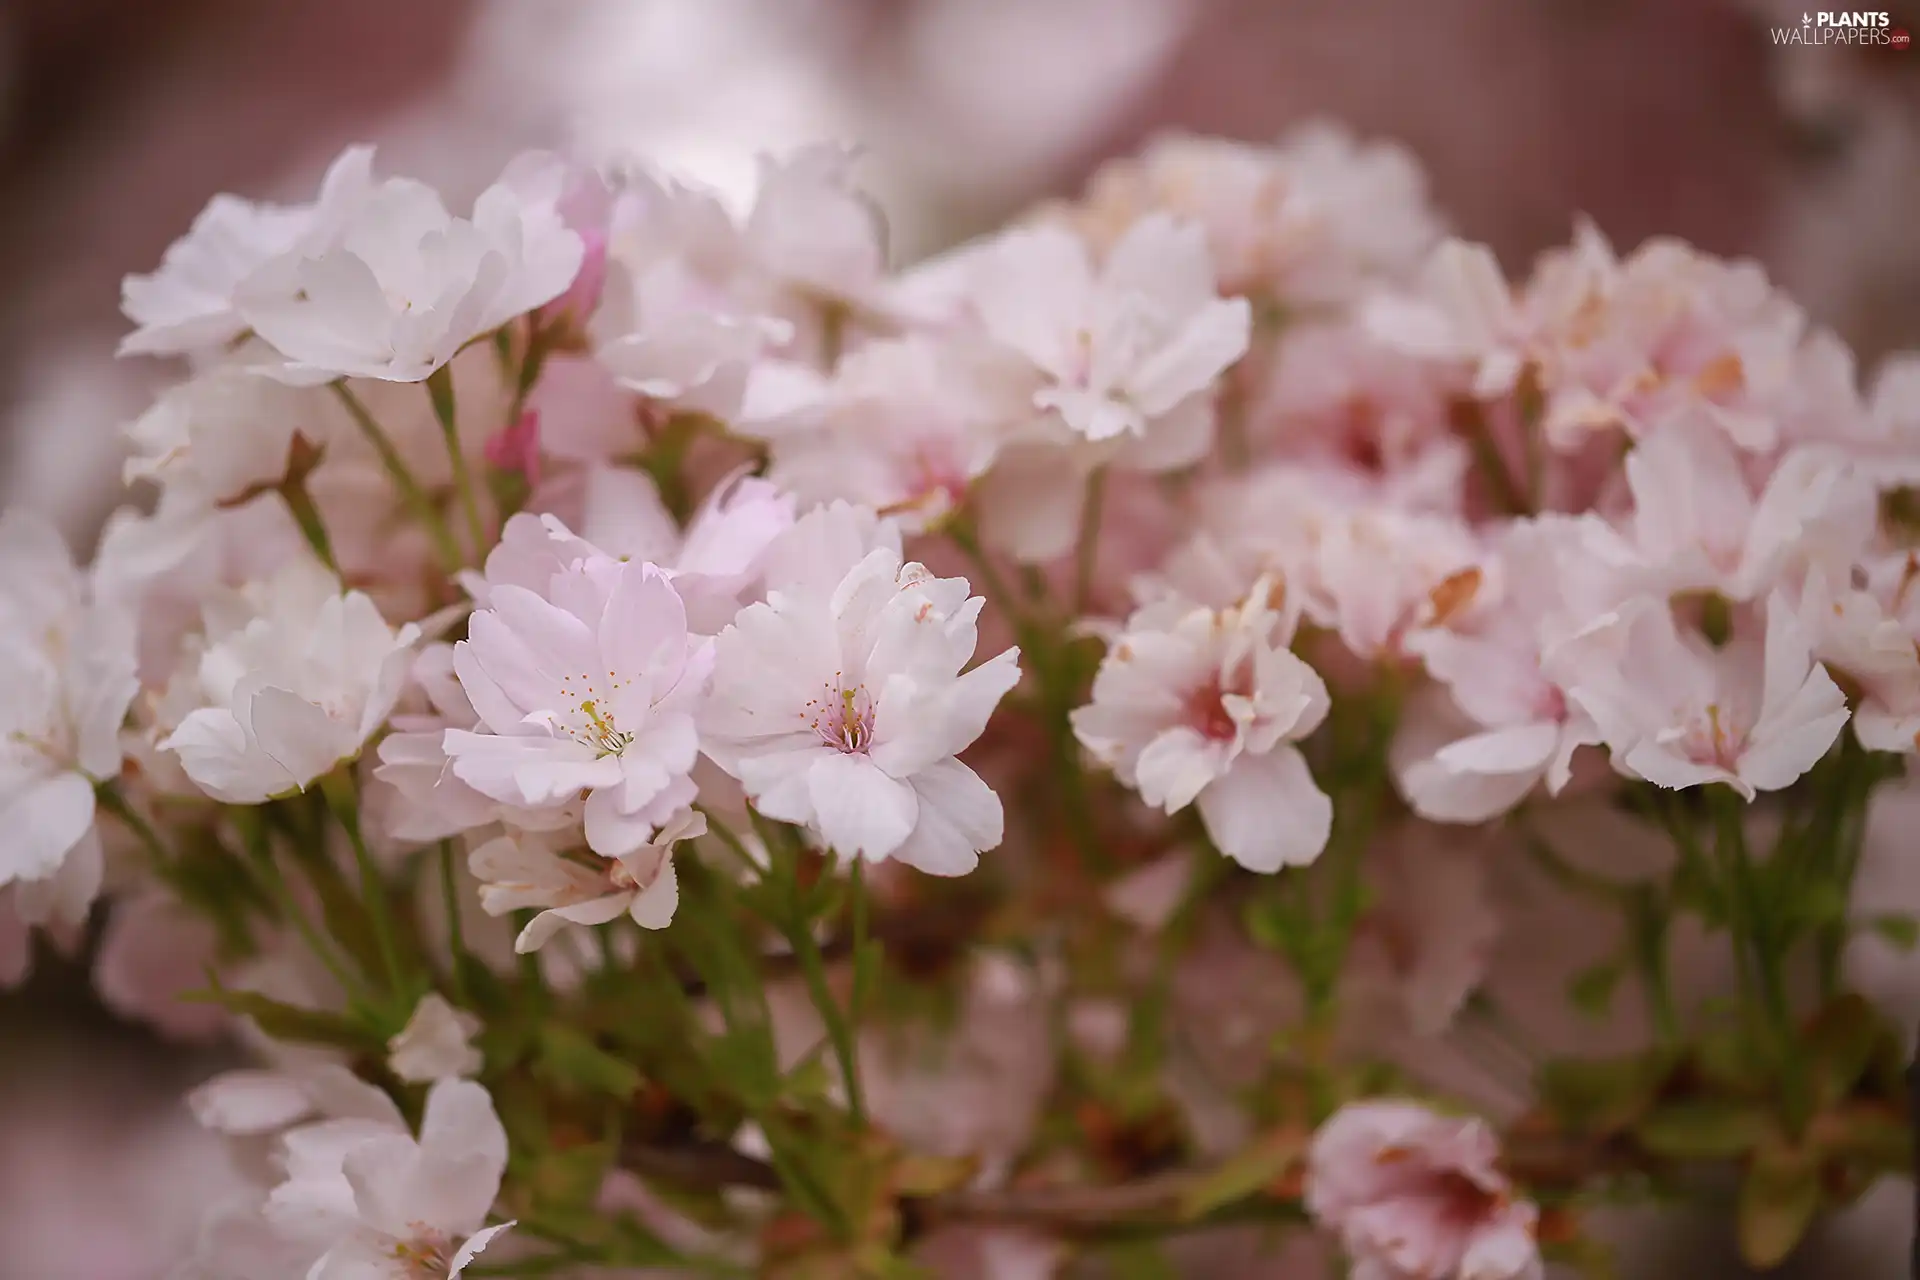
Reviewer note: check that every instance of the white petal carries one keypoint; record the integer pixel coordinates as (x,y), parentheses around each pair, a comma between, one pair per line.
(241,1102)
(654,907)
(476,1242)
(1267,812)
(42,824)
(860,811)
(960,818)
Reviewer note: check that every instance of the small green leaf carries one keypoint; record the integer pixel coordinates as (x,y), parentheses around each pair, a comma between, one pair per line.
(1591,990)
(289,1022)
(1249,1171)
(568,1058)
(1704,1129)
(1778,1199)
(1840,1044)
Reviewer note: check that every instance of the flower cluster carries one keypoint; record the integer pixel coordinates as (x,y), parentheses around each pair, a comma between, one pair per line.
(1232,572)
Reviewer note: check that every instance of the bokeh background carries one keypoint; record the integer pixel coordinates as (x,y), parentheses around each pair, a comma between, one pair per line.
(118,118)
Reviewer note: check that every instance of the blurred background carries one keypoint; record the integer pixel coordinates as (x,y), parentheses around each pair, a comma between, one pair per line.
(118,118)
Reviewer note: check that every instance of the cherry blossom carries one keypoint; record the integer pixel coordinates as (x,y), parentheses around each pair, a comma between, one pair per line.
(400,285)
(1123,349)
(1754,714)
(436,1043)
(840,704)
(1415,1195)
(1201,706)
(589,686)
(517,872)
(67,664)
(1312,221)
(418,1205)
(295,677)
(188,305)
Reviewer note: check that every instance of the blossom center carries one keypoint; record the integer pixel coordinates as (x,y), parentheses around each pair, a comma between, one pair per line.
(428,1255)
(592,722)
(842,718)
(1715,737)
(1206,708)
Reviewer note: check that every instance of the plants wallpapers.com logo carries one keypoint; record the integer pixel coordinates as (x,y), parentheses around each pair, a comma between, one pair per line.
(1846,27)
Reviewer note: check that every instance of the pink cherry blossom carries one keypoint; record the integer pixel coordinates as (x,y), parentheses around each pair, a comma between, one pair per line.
(1415,1195)
(1201,706)
(1754,714)
(587,686)
(840,704)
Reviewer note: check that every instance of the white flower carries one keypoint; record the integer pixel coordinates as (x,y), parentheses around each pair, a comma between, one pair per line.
(1313,221)
(66,681)
(909,425)
(840,705)
(245,1103)
(418,1205)
(711,564)
(436,1043)
(524,871)
(426,801)
(1754,714)
(1201,706)
(187,305)
(401,285)
(226,432)
(812,232)
(586,687)
(1698,525)
(1506,726)
(1867,630)
(291,690)
(1126,350)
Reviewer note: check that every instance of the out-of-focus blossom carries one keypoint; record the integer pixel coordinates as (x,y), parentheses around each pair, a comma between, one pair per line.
(1125,348)
(292,686)
(1754,714)
(436,1043)
(420,1205)
(1313,221)
(66,680)
(399,286)
(188,305)
(1415,1195)
(154,950)
(908,427)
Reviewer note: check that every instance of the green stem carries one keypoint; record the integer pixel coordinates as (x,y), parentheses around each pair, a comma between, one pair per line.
(300,502)
(440,391)
(813,967)
(456,931)
(344,799)
(254,833)
(733,844)
(1086,554)
(857,890)
(109,798)
(1757,946)
(409,489)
